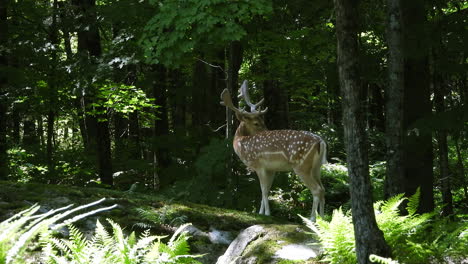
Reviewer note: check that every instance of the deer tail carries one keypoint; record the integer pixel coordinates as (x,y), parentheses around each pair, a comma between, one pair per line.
(323,152)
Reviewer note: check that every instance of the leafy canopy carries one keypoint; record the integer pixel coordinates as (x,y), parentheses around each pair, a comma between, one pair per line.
(180,27)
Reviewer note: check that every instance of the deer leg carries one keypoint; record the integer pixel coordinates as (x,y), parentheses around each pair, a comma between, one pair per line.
(312,180)
(266,180)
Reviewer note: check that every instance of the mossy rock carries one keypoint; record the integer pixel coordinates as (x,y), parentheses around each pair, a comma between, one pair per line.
(262,244)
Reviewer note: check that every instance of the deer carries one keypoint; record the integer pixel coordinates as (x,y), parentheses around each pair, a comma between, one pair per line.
(269,151)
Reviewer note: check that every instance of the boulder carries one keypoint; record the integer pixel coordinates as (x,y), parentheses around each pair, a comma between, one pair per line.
(271,244)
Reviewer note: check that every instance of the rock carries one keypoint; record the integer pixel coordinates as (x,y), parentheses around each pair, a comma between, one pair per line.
(296,252)
(270,244)
(220,237)
(194,231)
(237,247)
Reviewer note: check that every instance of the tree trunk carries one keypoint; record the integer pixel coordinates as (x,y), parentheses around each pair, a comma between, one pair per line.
(134,136)
(461,169)
(179,102)
(52,94)
(161,157)
(200,84)
(16,119)
(30,137)
(445,176)
(50,133)
(376,108)
(276,98)
(104,152)
(235,57)
(234,62)
(89,43)
(417,143)
(394,180)
(369,238)
(120,136)
(3,90)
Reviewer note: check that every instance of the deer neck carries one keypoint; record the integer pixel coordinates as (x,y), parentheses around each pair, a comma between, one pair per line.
(242,131)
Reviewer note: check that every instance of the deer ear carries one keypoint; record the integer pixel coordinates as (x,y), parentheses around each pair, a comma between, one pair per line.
(239,116)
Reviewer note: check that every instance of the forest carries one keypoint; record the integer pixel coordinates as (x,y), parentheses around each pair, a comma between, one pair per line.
(116,106)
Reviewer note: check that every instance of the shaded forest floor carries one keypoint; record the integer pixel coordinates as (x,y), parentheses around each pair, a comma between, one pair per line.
(135,212)
(131,206)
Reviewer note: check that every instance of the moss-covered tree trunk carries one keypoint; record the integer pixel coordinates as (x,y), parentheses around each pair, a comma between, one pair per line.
(369,238)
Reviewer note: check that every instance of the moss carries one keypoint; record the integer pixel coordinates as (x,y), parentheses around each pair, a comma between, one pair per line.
(274,238)
(202,216)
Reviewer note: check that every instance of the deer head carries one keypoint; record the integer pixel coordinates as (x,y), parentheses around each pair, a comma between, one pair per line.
(252,122)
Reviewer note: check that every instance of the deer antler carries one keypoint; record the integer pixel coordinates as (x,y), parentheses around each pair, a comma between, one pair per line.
(227,101)
(244,92)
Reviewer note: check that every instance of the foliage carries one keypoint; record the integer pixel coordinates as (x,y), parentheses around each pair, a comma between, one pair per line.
(22,165)
(104,248)
(122,99)
(179,27)
(297,198)
(18,231)
(165,215)
(381,260)
(406,234)
(336,237)
(377,173)
(400,230)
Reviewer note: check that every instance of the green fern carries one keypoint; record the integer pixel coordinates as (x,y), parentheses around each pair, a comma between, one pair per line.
(118,248)
(17,232)
(337,236)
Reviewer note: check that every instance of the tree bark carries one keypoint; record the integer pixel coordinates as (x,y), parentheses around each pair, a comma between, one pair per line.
(369,238)
(394,180)
(89,44)
(235,57)
(3,90)
(461,168)
(161,158)
(418,157)
(52,87)
(16,119)
(445,176)
(179,102)
(134,136)
(276,98)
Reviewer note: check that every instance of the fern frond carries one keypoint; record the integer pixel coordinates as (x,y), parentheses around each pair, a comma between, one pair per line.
(178,231)
(77,244)
(413,202)
(180,246)
(149,216)
(101,236)
(391,205)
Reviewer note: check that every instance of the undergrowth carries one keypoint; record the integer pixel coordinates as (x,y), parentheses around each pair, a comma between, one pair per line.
(26,230)
(414,238)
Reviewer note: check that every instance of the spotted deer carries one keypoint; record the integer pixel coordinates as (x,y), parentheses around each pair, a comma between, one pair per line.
(268,151)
